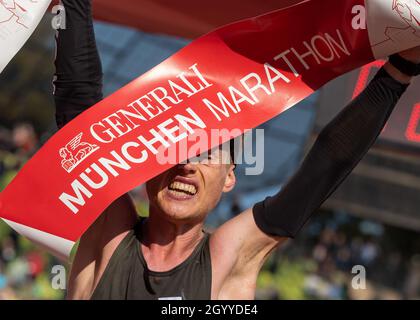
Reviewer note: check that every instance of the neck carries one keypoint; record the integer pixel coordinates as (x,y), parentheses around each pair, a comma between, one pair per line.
(165,243)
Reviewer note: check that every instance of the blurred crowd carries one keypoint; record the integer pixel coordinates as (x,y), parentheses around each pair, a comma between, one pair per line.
(25,270)
(342,257)
(317,265)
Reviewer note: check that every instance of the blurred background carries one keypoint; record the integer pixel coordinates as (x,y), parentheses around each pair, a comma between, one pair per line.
(372,220)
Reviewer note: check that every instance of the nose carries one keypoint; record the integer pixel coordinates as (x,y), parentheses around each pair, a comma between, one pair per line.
(188,167)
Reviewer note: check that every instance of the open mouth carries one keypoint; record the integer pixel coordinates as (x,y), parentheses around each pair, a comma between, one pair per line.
(178,188)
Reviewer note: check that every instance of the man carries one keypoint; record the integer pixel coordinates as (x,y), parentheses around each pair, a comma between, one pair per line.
(168,255)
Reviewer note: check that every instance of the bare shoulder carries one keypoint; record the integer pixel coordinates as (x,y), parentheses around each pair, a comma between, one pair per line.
(97,246)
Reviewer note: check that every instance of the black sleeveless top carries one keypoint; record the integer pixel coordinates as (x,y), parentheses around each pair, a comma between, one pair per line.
(127,277)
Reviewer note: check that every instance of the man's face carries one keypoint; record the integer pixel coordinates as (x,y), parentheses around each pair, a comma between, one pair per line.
(188,192)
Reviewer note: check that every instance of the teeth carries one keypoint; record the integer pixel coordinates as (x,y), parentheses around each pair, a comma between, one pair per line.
(183,187)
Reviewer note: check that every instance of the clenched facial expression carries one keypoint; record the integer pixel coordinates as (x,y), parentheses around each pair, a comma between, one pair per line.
(188,192)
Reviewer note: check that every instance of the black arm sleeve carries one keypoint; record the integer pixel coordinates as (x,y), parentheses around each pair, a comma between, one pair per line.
(337,150)
(78,78)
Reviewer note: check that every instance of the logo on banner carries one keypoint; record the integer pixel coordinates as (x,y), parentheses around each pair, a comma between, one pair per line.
(406,10)
(18,19)
(397,30)
(16,11)
(74,152)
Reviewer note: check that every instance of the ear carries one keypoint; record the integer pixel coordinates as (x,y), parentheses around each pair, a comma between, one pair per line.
(230,180)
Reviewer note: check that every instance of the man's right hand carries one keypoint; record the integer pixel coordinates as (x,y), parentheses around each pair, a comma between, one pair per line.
(412,55)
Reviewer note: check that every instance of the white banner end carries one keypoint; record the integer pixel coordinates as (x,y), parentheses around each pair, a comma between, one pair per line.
(58,246)
(393,25)
(18,20)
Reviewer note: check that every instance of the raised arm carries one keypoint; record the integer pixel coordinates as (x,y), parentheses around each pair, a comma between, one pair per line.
(337,150)
(78,86)
(78,70)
